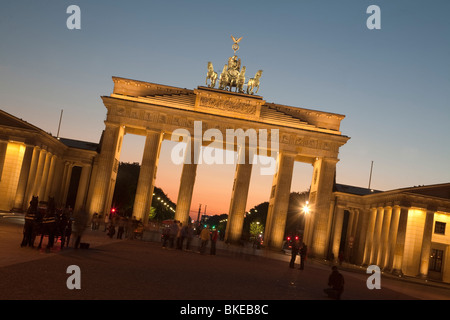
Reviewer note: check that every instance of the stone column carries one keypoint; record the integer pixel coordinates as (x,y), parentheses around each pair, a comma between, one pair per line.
(44,179)
(279,201)
(3,147)
(400,243)
(392,238)
(80,201)
(62,186)
(39,172)
(31,177)
(426,244)
(381,260)
(338,222)
(238,202)
(377,236)
(108,164)
(57,179)
(23,178)
(66,185)
(320,201)
(361,235)
(187,181)
(147,176)
(368,246)
(51,174)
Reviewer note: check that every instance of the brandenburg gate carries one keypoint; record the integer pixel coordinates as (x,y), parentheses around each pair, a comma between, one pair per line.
(161,112)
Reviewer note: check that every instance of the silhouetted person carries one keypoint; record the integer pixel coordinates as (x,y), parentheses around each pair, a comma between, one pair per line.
(173,233)
(214,236)
(121,228)
(335,283)
(189,236)
(165,236)
(294,252)
(31,225)
(204,237)
(341,257)
(79,225)
(303,252)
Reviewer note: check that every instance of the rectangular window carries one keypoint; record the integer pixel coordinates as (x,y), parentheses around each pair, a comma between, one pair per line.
(436,260)
(439,227)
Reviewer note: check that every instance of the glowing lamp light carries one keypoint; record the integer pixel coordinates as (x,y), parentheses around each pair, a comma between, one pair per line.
(306,208)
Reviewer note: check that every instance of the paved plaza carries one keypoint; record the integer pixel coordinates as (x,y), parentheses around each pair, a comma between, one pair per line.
(113,269)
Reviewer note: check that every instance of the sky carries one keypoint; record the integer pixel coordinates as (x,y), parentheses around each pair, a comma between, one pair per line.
(392,83)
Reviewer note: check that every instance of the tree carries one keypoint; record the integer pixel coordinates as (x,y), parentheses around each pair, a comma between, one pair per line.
(256,228)
(162,207)
(125,190)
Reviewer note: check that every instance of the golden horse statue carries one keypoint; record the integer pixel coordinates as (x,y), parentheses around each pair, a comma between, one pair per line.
(254,83)
(241,81)
(211,75)
(224,78)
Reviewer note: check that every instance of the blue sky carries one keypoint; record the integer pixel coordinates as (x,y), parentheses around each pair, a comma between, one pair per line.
(392,84)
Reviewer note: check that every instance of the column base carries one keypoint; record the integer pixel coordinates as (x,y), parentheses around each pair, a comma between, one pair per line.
(397,272)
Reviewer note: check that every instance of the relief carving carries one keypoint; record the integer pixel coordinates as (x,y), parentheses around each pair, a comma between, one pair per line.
(228,105)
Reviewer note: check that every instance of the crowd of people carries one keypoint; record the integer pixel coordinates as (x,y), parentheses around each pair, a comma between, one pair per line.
(121,227)
(175,234)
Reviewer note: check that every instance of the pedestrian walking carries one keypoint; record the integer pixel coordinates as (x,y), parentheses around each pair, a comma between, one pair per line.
(294,251)
(94,221)
(120,227)
(173,233)
(111,229)
(30,226)
(204,237)
(189,236)
(179,236)
(335,284)
(183,235)
(80,222)
(214,236)
(303,253)
(341,257)
(107,218)
(165,236)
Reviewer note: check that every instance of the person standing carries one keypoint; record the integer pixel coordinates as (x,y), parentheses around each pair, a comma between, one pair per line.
(214,236)
(335,283)
(79,225)
(121,227)
(294,251)
(303,252)
(30,225)
(165,235)
(189,236)
(173,233)
(204,237)
(180,236)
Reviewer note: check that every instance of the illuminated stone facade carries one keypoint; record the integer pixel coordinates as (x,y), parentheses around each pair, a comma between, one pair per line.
(35,163)
(157,111)
(404,231)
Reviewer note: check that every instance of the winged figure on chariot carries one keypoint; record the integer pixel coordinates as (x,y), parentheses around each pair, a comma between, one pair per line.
(232,75)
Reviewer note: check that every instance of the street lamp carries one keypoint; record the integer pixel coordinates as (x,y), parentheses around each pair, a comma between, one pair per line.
(306,207)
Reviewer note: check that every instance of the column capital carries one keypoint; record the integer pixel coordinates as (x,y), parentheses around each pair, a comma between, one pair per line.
(149,130)
(327,159)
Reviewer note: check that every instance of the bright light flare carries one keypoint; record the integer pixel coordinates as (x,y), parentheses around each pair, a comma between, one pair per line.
(306,208)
